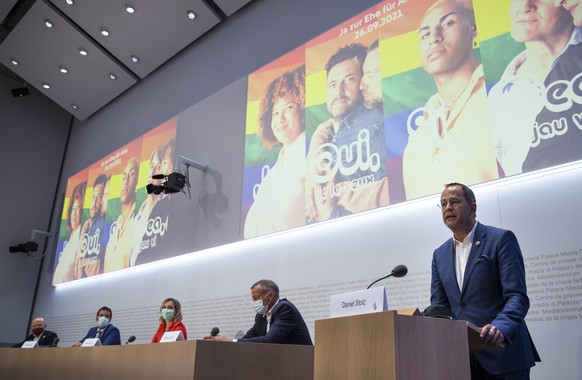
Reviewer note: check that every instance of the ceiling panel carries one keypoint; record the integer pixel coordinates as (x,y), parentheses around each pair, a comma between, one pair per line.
(41,52)
(154,32)
(5,7)
(230,6)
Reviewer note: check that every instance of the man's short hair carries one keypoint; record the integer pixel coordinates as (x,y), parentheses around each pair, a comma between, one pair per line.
(101,179)
(467,193)
(267,286)
(40,319)
(464,7)
(106,309)
(350,51)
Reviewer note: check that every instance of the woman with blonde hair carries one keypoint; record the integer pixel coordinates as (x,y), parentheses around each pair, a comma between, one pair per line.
(170,319)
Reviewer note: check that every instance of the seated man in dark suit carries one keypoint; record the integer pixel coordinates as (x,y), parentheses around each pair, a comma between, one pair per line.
(277,320)
(41,334)
(106,332)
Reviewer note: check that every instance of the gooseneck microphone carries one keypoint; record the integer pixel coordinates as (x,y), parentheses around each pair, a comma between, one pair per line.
(398,271)
(214,331)
(55,342)
(130,339)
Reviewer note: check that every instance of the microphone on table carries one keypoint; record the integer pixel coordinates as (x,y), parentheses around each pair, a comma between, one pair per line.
(214,332)
(130,339)
(55,342)
(398,271)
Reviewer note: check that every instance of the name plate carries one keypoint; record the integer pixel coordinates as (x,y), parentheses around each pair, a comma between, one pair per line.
(30,344)
(91,342)
(172,336)
(359,302)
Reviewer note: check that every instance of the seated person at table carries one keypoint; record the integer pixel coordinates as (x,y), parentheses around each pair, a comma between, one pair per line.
(40,334)
(170,319)
(106,332)
(277,320)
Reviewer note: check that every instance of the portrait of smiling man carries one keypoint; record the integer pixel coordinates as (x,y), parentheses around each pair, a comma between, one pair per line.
(536,105)
(453,136)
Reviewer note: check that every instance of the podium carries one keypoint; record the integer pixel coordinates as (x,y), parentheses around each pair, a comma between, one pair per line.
(390,346)
(198,360)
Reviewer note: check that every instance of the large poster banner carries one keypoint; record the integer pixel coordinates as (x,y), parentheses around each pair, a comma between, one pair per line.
(109,222)
(274,172)
(410,95)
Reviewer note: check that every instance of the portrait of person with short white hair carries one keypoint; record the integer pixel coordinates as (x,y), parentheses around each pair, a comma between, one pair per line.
(536,105)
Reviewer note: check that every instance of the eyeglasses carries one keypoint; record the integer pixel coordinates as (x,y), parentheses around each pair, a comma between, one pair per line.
(452,201)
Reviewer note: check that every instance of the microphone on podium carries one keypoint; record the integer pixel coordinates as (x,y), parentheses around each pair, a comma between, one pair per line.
(214,331)
(55,342)
(130,339)
(398,271)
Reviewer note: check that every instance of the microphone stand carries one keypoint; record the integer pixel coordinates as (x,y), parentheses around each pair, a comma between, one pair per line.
(380,279)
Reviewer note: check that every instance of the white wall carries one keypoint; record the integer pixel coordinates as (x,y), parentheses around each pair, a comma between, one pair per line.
(33,133)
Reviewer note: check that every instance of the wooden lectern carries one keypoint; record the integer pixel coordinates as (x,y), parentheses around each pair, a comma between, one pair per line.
(390,346)
(197,360)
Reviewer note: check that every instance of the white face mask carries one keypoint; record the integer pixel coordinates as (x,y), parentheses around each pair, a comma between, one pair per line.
(102,322)
(259,307)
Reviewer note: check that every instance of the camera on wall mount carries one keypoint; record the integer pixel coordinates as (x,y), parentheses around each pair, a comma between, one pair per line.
(28,248)
(178,180)
(31,246)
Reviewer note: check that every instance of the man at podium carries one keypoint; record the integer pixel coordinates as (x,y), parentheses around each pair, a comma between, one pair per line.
(479,274)
(277,320)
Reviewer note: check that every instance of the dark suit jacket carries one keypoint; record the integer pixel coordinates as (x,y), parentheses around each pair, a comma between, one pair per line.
(493,291)
(287,326)
(110,336)
(46,339)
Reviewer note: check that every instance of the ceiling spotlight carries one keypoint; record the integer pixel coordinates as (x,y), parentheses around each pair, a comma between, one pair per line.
(46,85)
(129,8)
(14,62)
(70,2)
(74,106)
(48,23)
(63,70)
(112,76)
(104,32)
(134,58)
(191,15)
(83,52)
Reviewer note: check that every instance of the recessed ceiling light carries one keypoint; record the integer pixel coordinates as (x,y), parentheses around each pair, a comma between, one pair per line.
(46,85)
(74,106)
(134,58)
(112,76)
(14,62)
(70,2)
(104,32)
(63,70)
(48,23)
(191,15)
(129,8)
(83,51)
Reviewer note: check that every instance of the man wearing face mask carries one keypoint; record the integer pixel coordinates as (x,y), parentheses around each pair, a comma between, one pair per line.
(40,334)
(106,332)
(277,320)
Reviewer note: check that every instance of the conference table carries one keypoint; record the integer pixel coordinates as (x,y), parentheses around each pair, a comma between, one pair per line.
(194,359)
